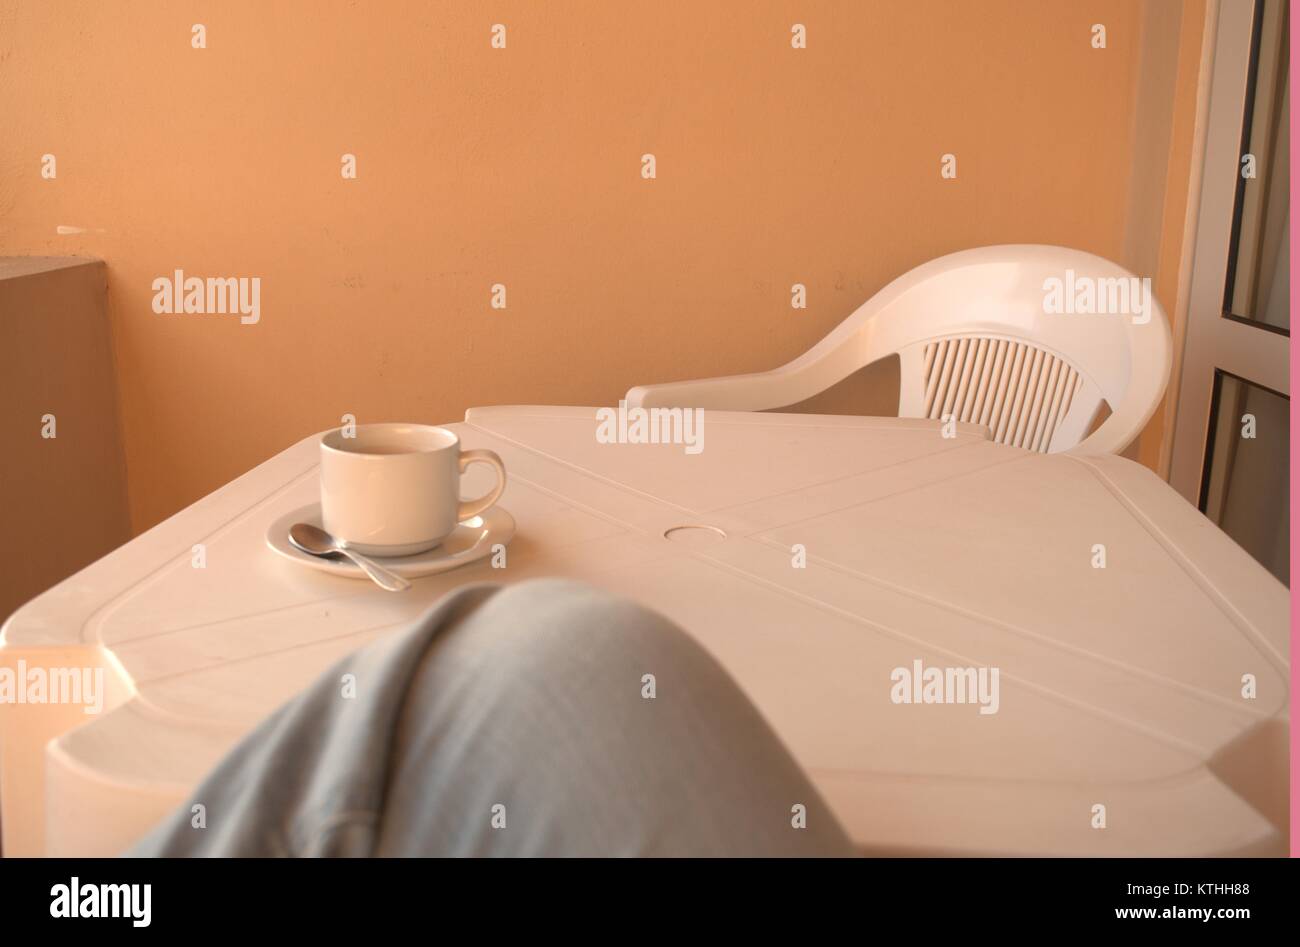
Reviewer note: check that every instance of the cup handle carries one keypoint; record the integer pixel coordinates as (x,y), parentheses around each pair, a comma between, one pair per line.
(470,508)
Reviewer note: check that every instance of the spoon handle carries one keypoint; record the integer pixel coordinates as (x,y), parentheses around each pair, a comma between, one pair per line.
(381,576)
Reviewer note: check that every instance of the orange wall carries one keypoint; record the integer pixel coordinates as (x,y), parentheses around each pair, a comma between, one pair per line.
(522,166)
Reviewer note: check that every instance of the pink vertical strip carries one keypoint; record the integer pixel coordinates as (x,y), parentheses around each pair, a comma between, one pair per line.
(1295,478)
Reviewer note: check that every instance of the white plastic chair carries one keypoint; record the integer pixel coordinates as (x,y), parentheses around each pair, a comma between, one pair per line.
(979,342)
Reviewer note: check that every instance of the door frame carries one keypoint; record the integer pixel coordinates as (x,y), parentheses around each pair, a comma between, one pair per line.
(1212,341)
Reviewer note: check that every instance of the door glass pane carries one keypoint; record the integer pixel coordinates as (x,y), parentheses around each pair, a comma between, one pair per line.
(1246,487)
(1258,285)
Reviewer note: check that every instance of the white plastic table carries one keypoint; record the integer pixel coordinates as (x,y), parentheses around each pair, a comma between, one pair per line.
(1120,687)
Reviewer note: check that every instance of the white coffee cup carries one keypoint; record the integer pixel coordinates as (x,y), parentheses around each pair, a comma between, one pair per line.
(394,489)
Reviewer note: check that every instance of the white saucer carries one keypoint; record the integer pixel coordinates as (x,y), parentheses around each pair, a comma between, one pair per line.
(470,541)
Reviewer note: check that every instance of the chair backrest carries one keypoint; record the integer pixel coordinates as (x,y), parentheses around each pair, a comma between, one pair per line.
(1028,340)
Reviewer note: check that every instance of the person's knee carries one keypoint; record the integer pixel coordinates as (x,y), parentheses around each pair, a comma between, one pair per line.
(564,636)
(547,619)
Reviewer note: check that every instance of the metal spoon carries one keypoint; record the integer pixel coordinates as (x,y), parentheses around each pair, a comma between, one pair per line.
(316,542)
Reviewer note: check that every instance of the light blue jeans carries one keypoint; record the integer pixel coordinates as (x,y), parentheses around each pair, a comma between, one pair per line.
(544,718)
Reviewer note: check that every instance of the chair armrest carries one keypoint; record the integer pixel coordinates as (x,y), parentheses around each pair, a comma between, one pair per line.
(1151,352)
(853,344)
(755,392)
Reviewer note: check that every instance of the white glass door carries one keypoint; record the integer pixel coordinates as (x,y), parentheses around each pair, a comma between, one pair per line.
(1231,443)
